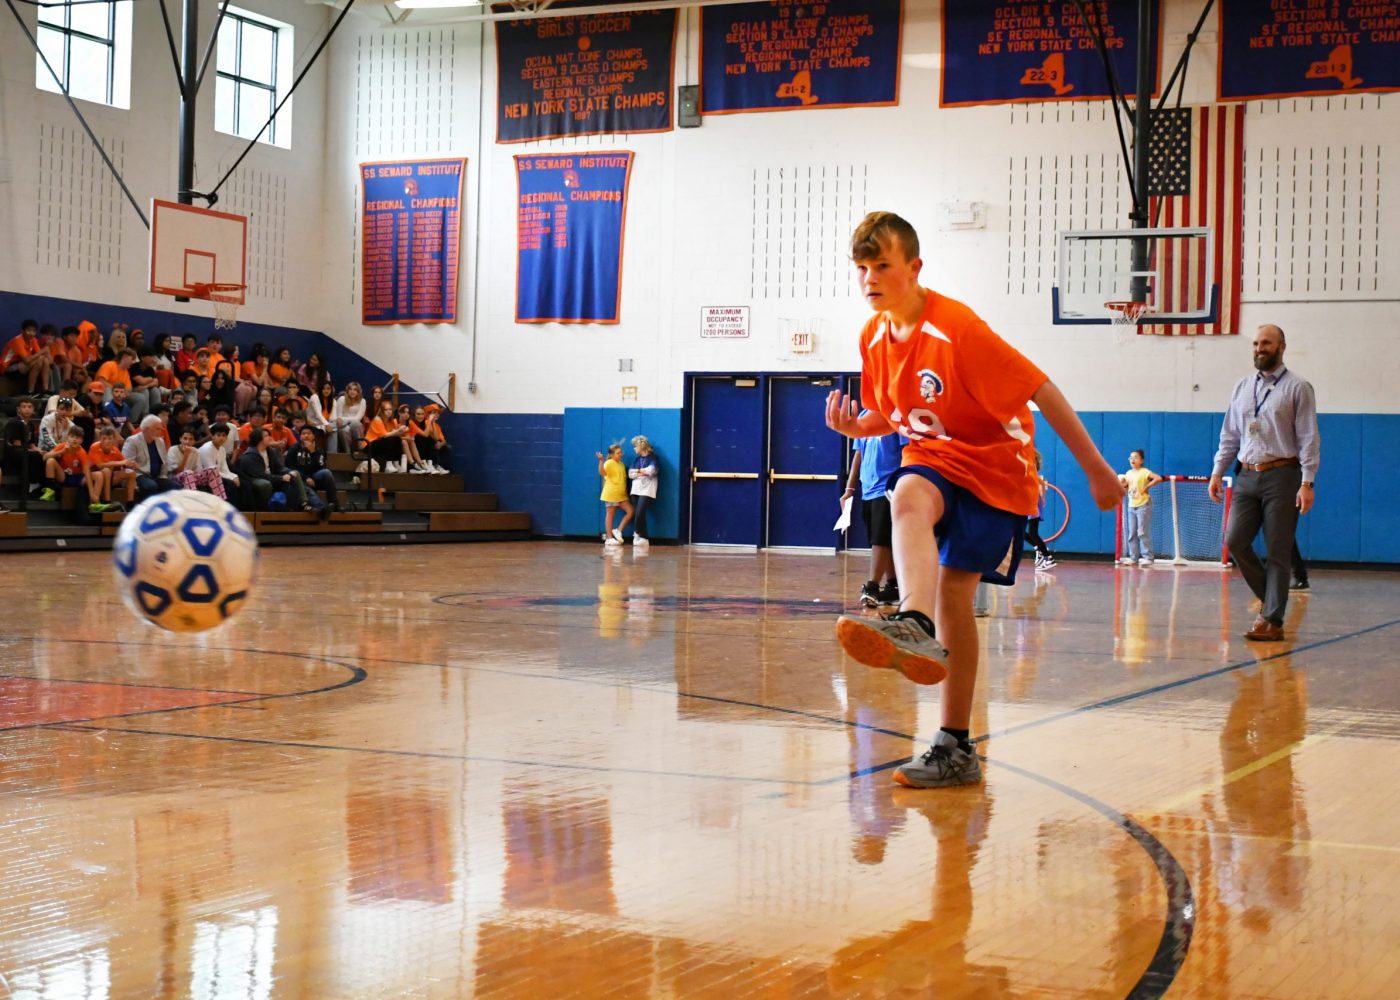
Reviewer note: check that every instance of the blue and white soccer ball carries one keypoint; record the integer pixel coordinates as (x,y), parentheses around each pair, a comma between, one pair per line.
(185,560)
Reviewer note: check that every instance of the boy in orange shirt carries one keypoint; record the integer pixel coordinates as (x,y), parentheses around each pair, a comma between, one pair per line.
(24,357)
(936,373)
(116,469)
(67,464)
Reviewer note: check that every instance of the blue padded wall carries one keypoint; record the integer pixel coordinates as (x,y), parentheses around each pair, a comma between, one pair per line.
(1351,492)
(590,430)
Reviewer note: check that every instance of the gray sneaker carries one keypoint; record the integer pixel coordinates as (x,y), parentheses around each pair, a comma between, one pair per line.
(942,765)
(893,643)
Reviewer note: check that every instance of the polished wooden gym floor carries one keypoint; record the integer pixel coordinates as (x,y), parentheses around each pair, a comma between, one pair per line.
(546,770)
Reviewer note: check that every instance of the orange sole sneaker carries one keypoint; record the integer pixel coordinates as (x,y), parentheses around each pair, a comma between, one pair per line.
(866,644)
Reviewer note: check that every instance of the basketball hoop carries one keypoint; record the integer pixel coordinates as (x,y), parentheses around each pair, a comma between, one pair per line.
(1126,314)
(226,297)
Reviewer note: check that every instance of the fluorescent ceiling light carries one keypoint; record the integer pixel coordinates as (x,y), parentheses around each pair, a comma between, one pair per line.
(430,4)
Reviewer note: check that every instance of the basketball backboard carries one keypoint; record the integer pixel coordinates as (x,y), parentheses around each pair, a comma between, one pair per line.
(1177,279)
(193,247)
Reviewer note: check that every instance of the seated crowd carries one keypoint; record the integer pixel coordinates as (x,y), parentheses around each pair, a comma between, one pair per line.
(119,418)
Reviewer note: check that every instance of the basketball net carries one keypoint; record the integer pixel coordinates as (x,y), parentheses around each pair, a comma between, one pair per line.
(1126,313)
(225,298)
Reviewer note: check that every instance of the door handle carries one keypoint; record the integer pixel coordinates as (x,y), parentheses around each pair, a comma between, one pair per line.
(697,474)
(774,476)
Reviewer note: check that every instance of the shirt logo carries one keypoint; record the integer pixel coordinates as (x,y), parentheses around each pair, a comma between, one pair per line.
(930,385)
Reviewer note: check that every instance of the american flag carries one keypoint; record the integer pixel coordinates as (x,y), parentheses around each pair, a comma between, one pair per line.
(1196,178)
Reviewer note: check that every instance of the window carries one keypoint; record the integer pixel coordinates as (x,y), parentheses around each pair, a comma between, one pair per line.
(89,47)
(253,72)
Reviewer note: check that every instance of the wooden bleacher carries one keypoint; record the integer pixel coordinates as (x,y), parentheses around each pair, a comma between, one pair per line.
(422,508)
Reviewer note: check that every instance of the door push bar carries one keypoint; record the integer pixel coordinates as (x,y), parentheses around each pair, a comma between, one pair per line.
(774,476)
(697,474)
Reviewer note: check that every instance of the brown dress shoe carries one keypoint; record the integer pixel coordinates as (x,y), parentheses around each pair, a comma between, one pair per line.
(1264,630)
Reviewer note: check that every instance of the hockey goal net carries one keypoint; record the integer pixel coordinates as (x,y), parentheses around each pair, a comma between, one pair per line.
(1188,527)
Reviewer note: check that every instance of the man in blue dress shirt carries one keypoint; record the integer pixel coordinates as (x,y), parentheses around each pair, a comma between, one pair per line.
(1271,428)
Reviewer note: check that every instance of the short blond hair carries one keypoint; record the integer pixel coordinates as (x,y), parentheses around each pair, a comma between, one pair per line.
(877,230)
(641,444)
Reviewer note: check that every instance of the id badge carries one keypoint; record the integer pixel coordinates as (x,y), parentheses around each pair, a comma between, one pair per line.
(1254,428)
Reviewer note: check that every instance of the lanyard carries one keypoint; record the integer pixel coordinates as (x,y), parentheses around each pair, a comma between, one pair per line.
(1259,403)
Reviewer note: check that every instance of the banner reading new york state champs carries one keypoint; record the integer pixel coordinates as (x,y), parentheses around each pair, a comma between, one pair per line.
(410,236)
(784,55)
(584,75)
(1299,49)
(1013,50)
(572,210)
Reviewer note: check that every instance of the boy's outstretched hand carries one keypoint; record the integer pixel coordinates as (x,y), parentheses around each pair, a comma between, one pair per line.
(843,413)
(1105,486)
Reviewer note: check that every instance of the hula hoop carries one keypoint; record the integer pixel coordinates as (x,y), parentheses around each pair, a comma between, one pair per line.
(1063,524)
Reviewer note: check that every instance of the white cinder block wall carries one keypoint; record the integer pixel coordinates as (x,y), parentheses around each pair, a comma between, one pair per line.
(754,209)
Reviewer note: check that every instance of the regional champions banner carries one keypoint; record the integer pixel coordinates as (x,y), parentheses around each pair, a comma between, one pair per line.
(583,75)
(997,53)
(1299,49)
(572,210)
(410,234)
(785,55)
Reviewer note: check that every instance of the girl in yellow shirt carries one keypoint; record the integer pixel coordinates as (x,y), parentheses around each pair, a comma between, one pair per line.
(614,494)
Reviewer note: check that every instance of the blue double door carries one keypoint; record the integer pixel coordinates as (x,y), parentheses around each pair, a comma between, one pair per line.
(764,469)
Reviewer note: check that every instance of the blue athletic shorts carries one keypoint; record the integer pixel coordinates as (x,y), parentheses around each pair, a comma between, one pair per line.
(73,479)
(972,534)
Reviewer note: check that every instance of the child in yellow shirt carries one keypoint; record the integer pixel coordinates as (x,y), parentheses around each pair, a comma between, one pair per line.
(1138,480)
(614,494)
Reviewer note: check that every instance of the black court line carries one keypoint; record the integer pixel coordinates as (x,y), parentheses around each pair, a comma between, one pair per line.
(1180,921)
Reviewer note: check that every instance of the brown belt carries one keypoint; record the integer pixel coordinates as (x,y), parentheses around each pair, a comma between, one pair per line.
(1266,466)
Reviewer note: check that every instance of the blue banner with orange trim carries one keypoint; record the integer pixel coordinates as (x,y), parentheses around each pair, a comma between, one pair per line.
(572,213)
(786,55)
(584,75)
(410,239)
(1298,49)
(997,53)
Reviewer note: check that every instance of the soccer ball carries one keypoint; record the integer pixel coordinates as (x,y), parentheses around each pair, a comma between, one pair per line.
(185,560)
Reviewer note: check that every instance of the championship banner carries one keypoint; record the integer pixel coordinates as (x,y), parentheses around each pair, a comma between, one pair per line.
(410,233)
(584,75)
(997,53)
(572,209)
(786,55)
(1298,49)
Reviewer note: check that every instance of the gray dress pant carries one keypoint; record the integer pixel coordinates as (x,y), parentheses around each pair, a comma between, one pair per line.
(1268,499)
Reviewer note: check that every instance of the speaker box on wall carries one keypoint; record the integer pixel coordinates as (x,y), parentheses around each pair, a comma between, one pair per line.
(688,106)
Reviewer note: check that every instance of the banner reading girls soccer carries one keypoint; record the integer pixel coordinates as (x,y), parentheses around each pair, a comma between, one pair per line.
(785,55)
(1298,49)
(584,75)
(572,210)
(410,233)
(1012,50)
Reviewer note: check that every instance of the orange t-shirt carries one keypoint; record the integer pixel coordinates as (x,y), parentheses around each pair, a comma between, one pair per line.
(113,374)
(416,430)
(959,393)
(280,373)
(17,350)
(100,454)
(281,438)
(73,460)
(378,428)
(252,371)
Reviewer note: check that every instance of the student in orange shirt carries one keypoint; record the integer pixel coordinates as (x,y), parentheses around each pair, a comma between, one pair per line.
(116,469)
(282,367)
(413,460)
(67,464)
(384,440)
(24,357)
(428,438)
(279,435)
(936,373)
(69,357)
